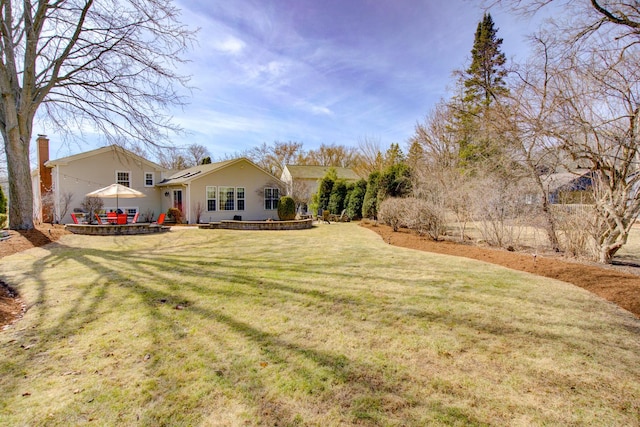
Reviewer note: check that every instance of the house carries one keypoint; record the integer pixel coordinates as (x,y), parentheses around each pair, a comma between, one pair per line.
(232,189)
(65,182)
(569,187)
(302,180)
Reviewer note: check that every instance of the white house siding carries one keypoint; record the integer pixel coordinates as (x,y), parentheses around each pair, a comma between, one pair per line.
(239,173)
(81,174)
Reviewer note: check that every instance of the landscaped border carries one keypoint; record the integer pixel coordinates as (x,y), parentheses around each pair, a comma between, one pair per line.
(298,224)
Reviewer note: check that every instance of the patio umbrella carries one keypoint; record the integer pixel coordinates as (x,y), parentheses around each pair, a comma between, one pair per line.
(117,191)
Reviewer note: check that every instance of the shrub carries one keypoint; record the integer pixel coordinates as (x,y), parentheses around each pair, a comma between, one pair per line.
(390,212)
(175,214)
(3,221)
(286,208)
(414,214)
(92,206)
(423,219)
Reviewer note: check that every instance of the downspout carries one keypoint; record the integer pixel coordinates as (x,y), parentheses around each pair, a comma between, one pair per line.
(188,201)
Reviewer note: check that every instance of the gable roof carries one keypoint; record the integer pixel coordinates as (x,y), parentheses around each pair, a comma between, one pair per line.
(319,172)
(196,172)
(119,151)
(566,181)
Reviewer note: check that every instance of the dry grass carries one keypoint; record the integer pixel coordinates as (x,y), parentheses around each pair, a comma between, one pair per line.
(329,326)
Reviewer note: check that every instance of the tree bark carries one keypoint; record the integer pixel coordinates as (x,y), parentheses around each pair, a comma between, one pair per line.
(20,188)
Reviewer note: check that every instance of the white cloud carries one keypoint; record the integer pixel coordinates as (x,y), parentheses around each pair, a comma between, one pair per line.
(231,45)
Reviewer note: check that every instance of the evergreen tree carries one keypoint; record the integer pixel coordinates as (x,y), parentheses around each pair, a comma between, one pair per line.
(485,77)
(3,202)
(338,197)
(355,199)
(370,202)
(480,86)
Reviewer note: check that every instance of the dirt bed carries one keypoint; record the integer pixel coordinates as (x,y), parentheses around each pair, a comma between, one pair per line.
(11,307)
(620,285)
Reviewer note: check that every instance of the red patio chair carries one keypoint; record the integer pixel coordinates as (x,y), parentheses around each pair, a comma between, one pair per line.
(98,218)
(75,219)
(112,217)
(160,220)
(135,218)
(121,219)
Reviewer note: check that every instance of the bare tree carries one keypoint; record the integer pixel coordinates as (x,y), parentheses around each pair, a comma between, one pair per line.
(437,138)
(369,157)
(197,153)
(526,120)
(198,210)
(65,203)
(331,155)
(300,192)
(107,64)
(172,158)
(601,112)
(273,158)
(91,205)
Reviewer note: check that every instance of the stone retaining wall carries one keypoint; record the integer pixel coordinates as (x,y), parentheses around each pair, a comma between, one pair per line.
(116,230)
(301,224)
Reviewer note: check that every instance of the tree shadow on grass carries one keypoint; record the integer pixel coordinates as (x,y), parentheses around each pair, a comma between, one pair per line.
(314,369)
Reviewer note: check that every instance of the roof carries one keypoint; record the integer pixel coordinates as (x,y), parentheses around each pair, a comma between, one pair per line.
(319,172)
(564,180)
(187,175)
(63,161)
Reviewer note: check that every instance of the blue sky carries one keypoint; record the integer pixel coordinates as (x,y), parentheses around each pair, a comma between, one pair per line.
(324,71)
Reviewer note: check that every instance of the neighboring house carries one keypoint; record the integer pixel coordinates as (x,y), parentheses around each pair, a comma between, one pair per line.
(71,178)
(302,180)
(566,188)
(233,189)
(569,187)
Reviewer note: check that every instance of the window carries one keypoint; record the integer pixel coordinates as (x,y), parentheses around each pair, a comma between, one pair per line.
(240,197)
(148,179)
(271,197)
(211,198)
(122,178)
(227,199)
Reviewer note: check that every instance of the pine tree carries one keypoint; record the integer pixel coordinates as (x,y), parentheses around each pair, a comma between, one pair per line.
(485,77)
(481,85)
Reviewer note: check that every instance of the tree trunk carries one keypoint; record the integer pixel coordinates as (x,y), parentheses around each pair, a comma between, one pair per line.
(20,191)
(550,224)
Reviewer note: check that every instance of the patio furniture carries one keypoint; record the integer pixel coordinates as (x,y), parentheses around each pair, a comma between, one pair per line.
(98,219)
(75,219)
(135,218)
(160,220)
(112,217)
(325,216)
(121,219)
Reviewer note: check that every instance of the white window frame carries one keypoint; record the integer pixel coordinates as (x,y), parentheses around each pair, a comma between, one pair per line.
(273,201)
(153,179)
(128,182)
(223,190)
(214,198)
(241,199)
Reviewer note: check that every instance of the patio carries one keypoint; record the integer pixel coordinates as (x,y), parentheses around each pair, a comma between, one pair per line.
(116,229)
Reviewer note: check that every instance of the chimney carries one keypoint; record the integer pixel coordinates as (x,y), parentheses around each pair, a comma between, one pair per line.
(46,186)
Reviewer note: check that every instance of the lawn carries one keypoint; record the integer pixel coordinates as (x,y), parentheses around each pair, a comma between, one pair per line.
(329,326)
